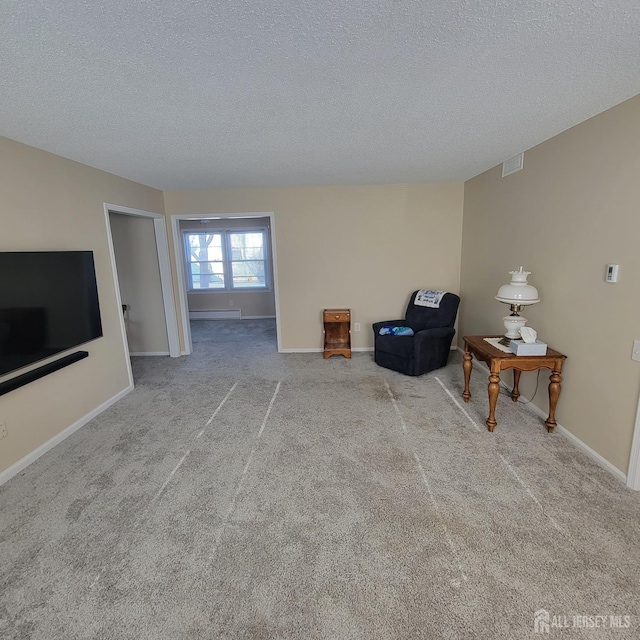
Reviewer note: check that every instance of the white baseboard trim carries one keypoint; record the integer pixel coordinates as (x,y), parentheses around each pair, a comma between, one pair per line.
(594,455)
(603,462)
(256,317)
(149,353)
(227,314)
(359,349)
(16,468)
(301,350)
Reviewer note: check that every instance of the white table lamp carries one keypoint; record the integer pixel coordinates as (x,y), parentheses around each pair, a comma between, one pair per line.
(518,294)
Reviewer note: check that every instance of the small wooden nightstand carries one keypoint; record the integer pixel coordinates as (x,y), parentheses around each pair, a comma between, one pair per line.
(337,332)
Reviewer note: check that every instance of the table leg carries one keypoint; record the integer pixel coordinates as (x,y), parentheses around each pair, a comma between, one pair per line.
(555,387)
(494,390)
(467,365)
(515,393)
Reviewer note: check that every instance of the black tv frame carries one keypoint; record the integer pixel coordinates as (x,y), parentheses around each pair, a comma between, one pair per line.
(72,275)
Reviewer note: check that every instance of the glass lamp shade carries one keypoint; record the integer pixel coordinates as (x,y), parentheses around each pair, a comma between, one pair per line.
(518,291)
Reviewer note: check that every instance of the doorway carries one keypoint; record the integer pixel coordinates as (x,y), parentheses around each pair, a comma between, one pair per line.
(153,240)
(222,225)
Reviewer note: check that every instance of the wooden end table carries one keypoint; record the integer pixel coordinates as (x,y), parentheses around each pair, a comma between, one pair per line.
(337,332)
(498,361)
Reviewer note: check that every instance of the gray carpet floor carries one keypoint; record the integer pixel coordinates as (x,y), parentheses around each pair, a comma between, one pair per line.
(242,493)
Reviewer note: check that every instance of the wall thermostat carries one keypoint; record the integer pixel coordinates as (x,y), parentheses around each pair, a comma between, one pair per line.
(612,273)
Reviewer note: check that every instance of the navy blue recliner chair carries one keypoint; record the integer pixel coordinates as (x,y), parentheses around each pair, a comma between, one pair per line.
(428,348)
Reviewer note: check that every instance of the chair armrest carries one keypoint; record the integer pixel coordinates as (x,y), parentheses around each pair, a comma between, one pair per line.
(431,348)
(391,323)
(434,334)
(388,323)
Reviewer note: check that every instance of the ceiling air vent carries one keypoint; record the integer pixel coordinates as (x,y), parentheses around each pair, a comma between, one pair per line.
(513,164)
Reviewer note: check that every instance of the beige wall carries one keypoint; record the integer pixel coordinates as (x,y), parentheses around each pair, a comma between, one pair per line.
(250,303)
(134,245)
(50,203)
(569,212)
(362,247)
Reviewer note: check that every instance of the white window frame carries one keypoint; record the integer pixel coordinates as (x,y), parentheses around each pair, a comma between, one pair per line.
(226,258)
(188,262)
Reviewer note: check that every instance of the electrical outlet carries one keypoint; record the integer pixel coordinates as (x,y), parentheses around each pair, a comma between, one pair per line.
(231,303)
(635,354)
(356,326)
(3,429)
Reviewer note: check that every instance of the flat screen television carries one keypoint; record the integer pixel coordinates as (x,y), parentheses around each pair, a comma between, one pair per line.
(48,304)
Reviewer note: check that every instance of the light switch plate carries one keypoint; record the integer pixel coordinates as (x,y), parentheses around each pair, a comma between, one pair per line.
(635,354)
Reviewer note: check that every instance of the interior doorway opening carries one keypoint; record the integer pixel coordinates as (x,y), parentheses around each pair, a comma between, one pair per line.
(152,233)
(227,269)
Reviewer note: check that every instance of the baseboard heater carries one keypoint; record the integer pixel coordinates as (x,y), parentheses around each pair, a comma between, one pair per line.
(40,372)
(231,314)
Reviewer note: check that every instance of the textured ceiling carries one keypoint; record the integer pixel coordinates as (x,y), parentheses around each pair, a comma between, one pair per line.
(209,93)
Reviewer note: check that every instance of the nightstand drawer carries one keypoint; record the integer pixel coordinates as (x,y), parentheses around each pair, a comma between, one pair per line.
(336,315)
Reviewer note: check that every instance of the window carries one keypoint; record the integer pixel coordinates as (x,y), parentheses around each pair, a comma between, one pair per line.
(248,268)
(205,260)
(226,259)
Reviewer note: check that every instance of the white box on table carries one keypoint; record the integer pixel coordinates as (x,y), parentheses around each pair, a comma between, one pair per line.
(522,348)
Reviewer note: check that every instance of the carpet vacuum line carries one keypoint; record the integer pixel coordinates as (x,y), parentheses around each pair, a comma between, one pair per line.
(455,400)
(142,515)
(530,493)
(184,457)
(168,480)
(215,413)
(232,506)
(513,472)
(427,484)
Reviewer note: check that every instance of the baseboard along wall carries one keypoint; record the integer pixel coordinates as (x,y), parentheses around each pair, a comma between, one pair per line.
(149,353)
(230,314)
(17,467)
(594,455)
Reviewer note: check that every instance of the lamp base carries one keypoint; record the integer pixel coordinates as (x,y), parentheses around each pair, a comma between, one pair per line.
(512,324)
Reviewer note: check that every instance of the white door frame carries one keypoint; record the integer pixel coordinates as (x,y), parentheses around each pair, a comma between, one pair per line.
(633,473)
(178,246)
(162,246)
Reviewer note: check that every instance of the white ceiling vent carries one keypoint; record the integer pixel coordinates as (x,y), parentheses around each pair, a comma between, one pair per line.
(513,164)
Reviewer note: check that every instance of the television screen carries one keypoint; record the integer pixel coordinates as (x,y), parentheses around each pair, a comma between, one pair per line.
(48,304)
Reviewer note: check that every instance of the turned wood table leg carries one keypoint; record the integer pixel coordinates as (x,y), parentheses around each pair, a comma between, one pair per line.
(494,390)
(467,365)
(555,387)
(515,393)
